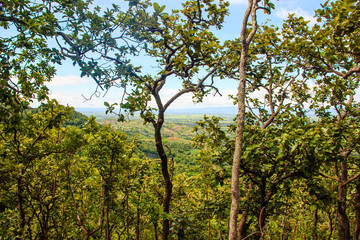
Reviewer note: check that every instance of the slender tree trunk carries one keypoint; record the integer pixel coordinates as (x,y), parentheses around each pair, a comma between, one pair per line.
(235,190)
(294,231)
(243,225)
(156,231)
(285,232)
(104,194)
(343,220)
(357,211)
(138,224)
(315,223)
(261,222)
(108,228)
(242,230)
(208,215)
(330,224)
(45,221)
(20,199)
(127,215)
(166,175)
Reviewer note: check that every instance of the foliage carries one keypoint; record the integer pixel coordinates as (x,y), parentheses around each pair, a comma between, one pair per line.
(332,61)
(66,176)
(71,182)
(26,59)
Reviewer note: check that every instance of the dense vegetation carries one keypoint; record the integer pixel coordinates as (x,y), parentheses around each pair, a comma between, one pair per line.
(288,167)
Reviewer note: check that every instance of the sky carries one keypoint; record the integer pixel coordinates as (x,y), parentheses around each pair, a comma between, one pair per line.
(70,89)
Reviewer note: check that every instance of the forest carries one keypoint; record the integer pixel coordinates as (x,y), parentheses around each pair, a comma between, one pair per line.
(286,167)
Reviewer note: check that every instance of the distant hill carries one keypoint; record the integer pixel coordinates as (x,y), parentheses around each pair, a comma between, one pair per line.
(76,118)
(207,111)
(100,112)
(177,135)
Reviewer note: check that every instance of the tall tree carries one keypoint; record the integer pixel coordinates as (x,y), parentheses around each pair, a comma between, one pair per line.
(181,44)
(332,58)
(245,40)
(277,133)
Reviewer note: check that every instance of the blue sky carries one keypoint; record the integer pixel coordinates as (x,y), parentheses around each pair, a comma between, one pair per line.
(68,88)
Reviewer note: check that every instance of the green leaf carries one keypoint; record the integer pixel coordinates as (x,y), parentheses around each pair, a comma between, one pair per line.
(313,207)
(162,8)
(156,7)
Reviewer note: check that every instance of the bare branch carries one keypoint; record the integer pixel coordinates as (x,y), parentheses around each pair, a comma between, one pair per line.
(327,176)
(350,180)
(190,88)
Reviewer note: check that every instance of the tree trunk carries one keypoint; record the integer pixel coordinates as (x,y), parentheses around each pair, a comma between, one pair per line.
(330,224)
(44,211)
(156,231)
(108,228)
(104,193)
(294,231)
(20,199)
(261,222)
(243,226)
(315,223)
(166,176)
(127,227)
(343,220)
(138,224)
(235,190)
(285,232)
(357,211)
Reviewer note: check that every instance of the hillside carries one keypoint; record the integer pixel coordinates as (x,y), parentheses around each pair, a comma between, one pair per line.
(177,135)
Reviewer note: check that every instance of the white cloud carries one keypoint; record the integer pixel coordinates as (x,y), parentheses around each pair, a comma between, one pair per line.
(71,80)
(284,13)
(78,100)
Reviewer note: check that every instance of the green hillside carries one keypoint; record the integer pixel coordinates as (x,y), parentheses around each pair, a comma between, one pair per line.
(177,134)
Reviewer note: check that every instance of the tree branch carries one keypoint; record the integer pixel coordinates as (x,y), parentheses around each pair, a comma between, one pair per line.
(350,180)
(327,176)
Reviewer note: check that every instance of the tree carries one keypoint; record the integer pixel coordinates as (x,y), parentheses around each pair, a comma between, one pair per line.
(272,130)
(26,59)
(26,140)
(245,39)
(213,178)
(181,44)
(332,59)
(26,62)
(104,178)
